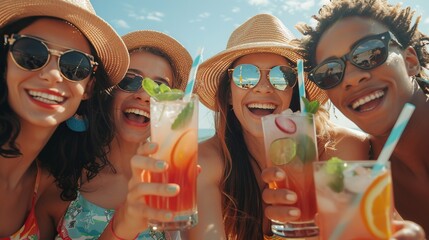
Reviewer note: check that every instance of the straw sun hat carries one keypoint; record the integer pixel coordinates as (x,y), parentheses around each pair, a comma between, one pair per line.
(109,46)
(180,58)
(262,33)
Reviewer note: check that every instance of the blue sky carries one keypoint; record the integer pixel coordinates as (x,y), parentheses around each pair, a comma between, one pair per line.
(208,23)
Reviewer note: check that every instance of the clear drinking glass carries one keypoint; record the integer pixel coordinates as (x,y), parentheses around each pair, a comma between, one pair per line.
(174,126)
(354,202)
(290,143)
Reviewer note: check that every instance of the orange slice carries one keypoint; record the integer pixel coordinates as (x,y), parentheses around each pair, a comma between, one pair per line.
(184,149)
(376,206)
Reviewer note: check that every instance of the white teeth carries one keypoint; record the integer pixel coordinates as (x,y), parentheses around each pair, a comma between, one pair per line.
(45,97)
(368,98)
(137,112)
(262,105)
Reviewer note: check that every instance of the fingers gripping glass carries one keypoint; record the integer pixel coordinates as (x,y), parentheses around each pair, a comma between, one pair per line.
(247,76)
(366,54)
(132,82)
(32,54)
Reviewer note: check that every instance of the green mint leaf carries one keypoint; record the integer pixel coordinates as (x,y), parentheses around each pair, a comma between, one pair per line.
(150,86)
(184,117)
(334,167)
(169,96)
(310,107)
(164,88)
(305,149)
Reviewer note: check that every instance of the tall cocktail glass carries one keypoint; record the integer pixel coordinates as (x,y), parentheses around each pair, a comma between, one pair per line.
(290,143)
(174,126)
(354,202)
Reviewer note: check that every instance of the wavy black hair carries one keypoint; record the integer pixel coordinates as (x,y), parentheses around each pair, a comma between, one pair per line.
(67,154)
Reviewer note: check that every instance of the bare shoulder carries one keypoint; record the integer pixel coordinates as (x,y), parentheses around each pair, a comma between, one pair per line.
(349,144)
(210,159)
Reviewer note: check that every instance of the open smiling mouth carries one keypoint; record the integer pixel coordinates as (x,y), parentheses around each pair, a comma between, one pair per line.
(261,109)
(45,97)
(137,115)
(368,102)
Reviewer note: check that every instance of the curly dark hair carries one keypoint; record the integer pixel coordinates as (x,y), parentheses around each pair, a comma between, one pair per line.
(399,21)
(67,153)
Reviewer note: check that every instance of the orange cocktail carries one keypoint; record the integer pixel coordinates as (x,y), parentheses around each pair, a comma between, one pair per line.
(354,202)
(174,126)
(290,143)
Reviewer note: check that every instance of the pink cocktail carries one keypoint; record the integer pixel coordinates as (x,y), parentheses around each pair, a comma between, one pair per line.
(290,143)
(174,126)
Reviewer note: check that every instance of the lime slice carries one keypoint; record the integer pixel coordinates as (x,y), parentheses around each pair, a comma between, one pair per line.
(282,151)
(168,96)
(334,168)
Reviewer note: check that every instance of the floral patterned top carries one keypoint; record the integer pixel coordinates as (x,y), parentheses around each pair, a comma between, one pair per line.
(86,221)
(30,229)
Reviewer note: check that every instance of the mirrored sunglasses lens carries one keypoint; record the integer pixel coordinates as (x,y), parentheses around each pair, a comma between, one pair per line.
(75,65)
(130,83)
(245,76)
(328,75)
(282,77)
(369,54)
(29,53)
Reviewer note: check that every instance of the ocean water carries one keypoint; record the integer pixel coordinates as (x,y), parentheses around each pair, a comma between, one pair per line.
(204,133)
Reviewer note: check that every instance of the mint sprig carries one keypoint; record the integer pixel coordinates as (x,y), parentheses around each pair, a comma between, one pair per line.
(334,168)
(163,92)
(310,107)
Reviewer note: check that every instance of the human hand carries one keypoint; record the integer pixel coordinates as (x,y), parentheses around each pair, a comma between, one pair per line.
(405,230)
(280,200)
(132,217)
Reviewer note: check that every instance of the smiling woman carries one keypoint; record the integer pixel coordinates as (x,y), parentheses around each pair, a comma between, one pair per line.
(255,76)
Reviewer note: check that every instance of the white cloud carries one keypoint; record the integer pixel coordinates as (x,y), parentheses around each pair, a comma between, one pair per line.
(426,21)
(120,23)
(202,28)
(204,15)
(235,9)
(155,16)
(298,5)
(258,2)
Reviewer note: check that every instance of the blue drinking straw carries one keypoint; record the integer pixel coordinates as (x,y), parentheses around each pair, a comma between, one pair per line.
(301,85)
(192,75)
(384,156)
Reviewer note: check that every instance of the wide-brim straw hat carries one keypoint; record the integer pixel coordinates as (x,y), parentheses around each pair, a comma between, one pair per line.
(263,33)
(109,46)
(180,58)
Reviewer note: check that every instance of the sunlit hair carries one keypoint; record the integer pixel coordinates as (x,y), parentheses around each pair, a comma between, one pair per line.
(399,21)
(67,153)
(241,196)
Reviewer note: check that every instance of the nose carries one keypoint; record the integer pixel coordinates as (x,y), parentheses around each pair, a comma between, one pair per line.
(353,76)
(142,95)
(51,72)
(264,85)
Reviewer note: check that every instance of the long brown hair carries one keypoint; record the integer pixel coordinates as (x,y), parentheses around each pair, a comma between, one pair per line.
(242,203)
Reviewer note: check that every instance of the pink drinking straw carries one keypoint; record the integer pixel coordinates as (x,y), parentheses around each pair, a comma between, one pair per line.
(384,156)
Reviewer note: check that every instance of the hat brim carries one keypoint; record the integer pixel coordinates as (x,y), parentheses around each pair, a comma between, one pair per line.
(180,57)
(110,48)
(211,71)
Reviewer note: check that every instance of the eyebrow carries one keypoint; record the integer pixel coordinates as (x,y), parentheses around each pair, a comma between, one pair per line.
(159,79)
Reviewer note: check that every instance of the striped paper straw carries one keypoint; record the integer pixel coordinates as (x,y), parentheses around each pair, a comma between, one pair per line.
(301,85)
(394,136)
(193,74)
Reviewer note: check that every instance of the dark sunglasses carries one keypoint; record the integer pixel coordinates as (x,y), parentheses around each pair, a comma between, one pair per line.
(367,53)
(247,76)
(132,82)
(32,54)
